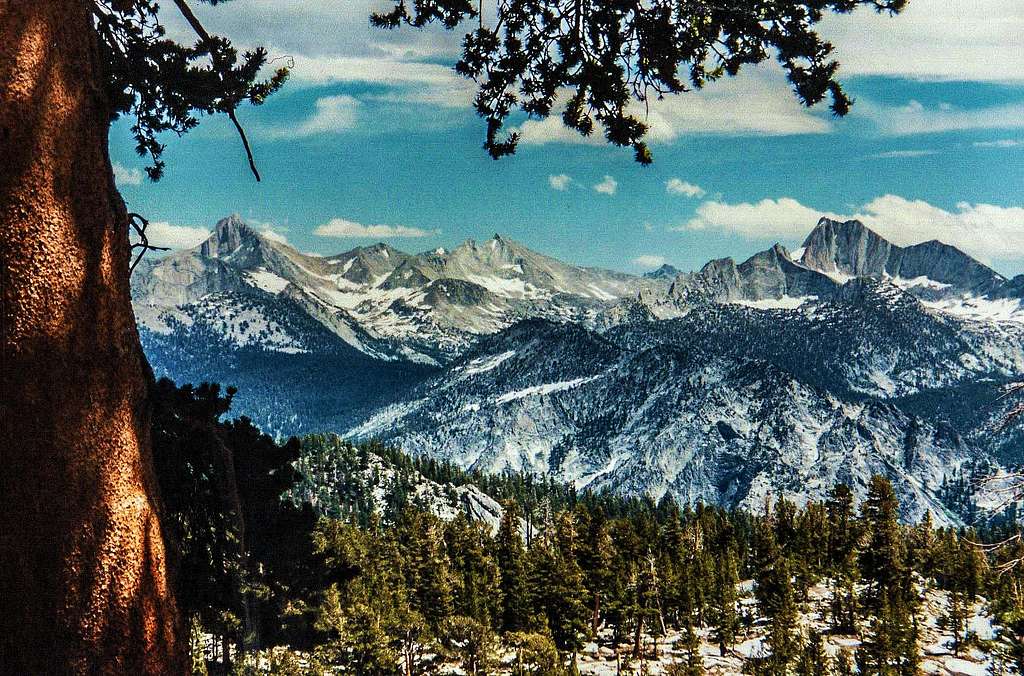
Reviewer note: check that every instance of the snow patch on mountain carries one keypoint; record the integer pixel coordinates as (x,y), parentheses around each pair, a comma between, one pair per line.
(262,278)
(541,390)
(478,366)
(782,303)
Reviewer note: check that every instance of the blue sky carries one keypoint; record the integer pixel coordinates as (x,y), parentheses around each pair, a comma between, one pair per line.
(374,139)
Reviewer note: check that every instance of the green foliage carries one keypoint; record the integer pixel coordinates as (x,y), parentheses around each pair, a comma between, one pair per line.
(781,609)
(609,55)
(387,586)
(369,619)
(556,584)
(813,661)
(164,86)
(724,616)
(510,555)
(472,643)
(239,552)
(534,654)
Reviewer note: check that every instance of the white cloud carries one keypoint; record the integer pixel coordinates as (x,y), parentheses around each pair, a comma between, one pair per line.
(649,261)
(917,118)
(559,181)
(340,227)
(756,103)
(677,186)
(273,235)
(411,82)
(608,186)
(331,115)
(985,231)
(162,233)
(934,39)
(1000,143)
(931,39)
(784,217)
(125,176)
(332,69)
(898,154)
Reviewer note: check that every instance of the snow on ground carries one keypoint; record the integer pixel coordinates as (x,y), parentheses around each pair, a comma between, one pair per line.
(547,388)
(784,303)
(601,658)
(935,643)
(980,309)
(262,278)
(918,282)
(484,364)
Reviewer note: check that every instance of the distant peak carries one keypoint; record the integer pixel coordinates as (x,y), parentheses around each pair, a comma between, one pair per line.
(666,271)
(234,221)
(852,224)
(227,236)
(828,229)
(718,264)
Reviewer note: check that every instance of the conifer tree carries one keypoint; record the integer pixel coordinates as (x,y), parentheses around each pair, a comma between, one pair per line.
(511,558)
(556,584)
(883,559)
(961,565)
(843,535)
(534,654)
(890,643)
(469,550)
(694,664)
(596,556)
(367,617)
(472,643)
(426,565)
(844,665)
(724,615)
(891,598)
(813,660)
(782,639)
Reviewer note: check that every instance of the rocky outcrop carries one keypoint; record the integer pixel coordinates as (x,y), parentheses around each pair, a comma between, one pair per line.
(693,422)
(850,249)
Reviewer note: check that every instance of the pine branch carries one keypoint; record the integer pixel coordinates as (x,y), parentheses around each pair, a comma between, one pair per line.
(208,40)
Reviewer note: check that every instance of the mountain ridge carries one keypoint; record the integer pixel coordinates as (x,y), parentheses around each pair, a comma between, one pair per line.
(781,373)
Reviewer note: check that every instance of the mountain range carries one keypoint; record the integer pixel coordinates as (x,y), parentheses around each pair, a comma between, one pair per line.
(780,374)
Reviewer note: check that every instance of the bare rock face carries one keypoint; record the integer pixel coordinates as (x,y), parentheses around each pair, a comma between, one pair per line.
(848,248)
(425,307)
(666,271)
(770,274)
(673,413)
(227,237)
(944,264)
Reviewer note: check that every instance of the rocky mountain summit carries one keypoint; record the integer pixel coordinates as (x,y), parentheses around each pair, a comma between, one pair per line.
(388,304)
(780,374)
(941,276)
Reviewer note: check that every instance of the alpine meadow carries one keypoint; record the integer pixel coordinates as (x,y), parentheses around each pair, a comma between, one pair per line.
(508,337)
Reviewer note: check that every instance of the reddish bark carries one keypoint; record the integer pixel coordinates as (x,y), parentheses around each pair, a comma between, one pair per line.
(83,582)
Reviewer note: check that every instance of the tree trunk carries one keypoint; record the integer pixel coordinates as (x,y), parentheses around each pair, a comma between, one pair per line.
(83,580)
